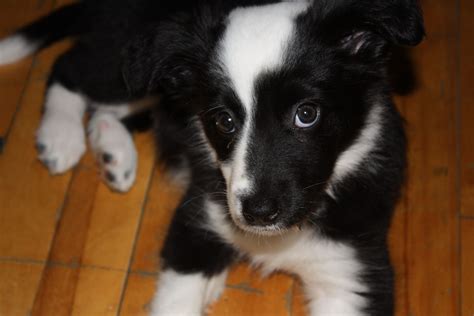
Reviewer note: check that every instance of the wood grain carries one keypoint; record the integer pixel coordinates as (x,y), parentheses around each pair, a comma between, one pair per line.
(467,271)
(30,198)
(12,85)
(115,217)
(432,215)
(270,296)
(466,69)
(163,198)
(138,294)
(96,231)
(98,292)
(57,289)
(19,281)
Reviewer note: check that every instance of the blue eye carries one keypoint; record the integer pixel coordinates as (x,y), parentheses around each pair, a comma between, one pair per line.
(224,123)
(307,115)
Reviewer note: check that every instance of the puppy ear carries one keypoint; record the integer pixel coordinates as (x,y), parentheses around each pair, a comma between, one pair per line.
(398,21)
(156,61)
(361,25)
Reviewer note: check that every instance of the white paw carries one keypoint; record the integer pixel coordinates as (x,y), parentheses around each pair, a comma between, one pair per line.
(60,141)
(115,151)
(186,294)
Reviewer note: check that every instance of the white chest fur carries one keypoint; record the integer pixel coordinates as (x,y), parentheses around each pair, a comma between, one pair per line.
(330,271)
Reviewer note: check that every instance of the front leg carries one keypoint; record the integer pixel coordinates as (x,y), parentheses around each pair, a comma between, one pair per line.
(195,263)
(344,284)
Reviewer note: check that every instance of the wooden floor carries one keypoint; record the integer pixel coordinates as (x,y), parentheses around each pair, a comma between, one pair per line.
(70,246)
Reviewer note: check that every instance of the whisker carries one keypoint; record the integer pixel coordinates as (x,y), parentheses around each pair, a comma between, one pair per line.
(315,184)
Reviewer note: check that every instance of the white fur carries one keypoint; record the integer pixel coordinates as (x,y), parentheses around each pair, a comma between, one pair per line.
(329,270)
(61,131)
(186,294)
(238,182)
(14,48)
(352,157)
(108,135)
(254,42)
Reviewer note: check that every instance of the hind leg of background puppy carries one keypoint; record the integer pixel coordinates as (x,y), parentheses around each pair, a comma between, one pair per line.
(60,139)
(112,143)
(73,86)
(195,262)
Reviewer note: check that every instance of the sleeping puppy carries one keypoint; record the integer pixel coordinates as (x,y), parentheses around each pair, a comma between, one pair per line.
(281,114)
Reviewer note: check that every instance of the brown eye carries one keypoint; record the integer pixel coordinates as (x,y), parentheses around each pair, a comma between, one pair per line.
(225,123)
(307,115)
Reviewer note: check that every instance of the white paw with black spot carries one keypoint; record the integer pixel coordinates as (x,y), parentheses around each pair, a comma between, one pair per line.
(60,141)
(115,151)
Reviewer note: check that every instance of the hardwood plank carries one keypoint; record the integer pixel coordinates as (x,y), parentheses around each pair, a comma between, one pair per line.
(29,197)
(57,289)
(467,106)
(247,293)
(107,220)
(138,294)
(11,94)
(80,291)
(115,217)
(18,285)
(432,257)
(68,248)
(163,198)
(467,266)
(98,292)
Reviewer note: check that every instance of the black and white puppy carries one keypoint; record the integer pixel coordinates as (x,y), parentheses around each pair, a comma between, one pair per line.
(282,113)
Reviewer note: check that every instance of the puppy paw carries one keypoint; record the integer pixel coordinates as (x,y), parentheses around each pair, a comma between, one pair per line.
(60,142)
(186,294)
(115,151)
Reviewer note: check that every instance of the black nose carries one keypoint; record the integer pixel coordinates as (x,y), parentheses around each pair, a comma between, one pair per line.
(260,213)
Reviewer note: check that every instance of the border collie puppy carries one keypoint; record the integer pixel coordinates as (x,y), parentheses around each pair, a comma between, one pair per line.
(281,112)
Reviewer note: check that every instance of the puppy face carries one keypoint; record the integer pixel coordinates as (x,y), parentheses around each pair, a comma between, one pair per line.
(288,95)
(280,117)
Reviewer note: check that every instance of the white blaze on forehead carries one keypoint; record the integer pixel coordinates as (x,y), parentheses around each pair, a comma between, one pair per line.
(254,42)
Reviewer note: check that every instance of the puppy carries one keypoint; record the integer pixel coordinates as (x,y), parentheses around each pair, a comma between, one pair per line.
(281,114)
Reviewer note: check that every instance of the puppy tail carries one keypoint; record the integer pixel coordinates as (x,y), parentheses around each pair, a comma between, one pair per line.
(59,24)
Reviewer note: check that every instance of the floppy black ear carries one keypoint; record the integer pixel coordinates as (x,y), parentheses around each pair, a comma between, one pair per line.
(160,59)
(398,21)
(363,24)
